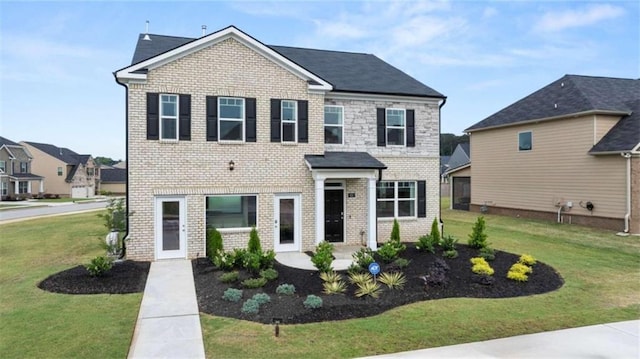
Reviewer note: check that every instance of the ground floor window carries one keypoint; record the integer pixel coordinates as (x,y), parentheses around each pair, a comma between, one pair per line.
(23,187)
(396,199)
(231,211)
(5,188)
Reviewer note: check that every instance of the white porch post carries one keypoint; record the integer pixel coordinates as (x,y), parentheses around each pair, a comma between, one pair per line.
(41,186)
(371,215)
(16,187)
(319,210)
(28,186)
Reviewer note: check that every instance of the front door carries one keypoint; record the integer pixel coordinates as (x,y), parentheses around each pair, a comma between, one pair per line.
(170,228)
(334,215)
(287,222)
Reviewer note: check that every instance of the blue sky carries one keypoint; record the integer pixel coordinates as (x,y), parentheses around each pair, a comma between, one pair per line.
(57,58)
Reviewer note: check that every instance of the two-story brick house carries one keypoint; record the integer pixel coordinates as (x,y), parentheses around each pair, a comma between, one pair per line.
(16,179)
(305,145)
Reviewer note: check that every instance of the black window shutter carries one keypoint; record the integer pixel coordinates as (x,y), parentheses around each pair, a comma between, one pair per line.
(250,120)
(382,132)
(153,116)
(411,128)
(303,121)
(275,120)
(212,118)
(422,199)
(185,117)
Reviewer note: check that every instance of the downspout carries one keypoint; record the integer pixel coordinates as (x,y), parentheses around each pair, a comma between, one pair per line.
(126,154)
(628,196)
(444,100)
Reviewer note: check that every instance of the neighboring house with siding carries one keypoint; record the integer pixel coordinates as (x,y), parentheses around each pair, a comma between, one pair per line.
(306,145)
(459,177)
(16,178)
(568,152)
(113,180)
(68,173)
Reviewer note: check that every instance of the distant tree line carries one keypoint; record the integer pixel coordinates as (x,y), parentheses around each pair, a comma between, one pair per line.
(449,142)
(105,161)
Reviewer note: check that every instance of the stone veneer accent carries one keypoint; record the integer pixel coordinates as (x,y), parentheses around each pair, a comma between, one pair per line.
(197,168)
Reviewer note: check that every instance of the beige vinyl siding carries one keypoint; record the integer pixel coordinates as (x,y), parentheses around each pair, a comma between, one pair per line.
(461,173)
(47,166)
(602,125)
(557,169)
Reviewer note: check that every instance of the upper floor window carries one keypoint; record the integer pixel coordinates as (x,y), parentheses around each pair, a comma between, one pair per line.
(395,127)
(333,124)
(169,117)
(289,116)
(525,141)
(24,167)
(90,171)
(231,119)
(60,171)
(3,166)
(396,199)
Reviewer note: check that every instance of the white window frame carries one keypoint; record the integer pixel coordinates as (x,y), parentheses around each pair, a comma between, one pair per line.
(4,188)
(403,127)
(233,229)
(520,149)
(396,199)
(3,166)
(294,121)
(228,119)
(60,171)
(20,189)
(168,117)
(24,167)
(341,125)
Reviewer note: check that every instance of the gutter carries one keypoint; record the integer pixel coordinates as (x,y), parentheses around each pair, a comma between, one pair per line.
(627,215)
(444,101)
(126,154)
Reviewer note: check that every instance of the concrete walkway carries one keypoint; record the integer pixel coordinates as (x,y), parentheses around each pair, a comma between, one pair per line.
(342,254)
(615,340)
(168,323)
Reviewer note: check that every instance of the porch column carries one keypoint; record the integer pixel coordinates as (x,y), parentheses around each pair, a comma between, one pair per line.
(16,187)
(319,210)
(372,223)
(29,187)
(41,186)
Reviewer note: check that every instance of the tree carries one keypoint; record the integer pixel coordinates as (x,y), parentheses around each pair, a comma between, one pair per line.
(449,142)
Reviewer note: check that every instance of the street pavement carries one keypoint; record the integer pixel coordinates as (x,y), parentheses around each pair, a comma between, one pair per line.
(51,209)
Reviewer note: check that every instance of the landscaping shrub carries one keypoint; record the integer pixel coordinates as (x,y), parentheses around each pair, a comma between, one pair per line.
(267,258)
(480,266)
(224,260)
(450,254)
(237,257)
(393,280)
(331,276)
(448,242)
(213,244)
(522,268)
(99,266)
(388,252)
(232,295)
(286,289)
(527,259)
(478,237)
(261,298)
(435,231)
(251,306)
(312,302)
(359,278)
(229,277)
(323,257)
(354,268)
(254,242)
(254,282)
(426,243)
(369,288)
(251,262)
(517,276)
(395,237)
(436,274)
(335,287)
(363,258)
(487,253)
(269,274)
(399,264)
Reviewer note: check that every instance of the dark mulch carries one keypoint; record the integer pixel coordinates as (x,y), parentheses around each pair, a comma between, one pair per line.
(124,277)
(461,282)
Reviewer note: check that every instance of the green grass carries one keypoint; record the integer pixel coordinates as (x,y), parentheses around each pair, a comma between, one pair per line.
(39,324)
(600,270)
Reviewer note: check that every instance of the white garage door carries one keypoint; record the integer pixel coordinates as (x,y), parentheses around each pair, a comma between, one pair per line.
(78,192)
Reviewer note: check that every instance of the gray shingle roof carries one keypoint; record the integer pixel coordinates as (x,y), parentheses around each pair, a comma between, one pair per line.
(573,94)
(346,71)
(61,153)
(8,142)
(461,156)
(113,175)
(344,160)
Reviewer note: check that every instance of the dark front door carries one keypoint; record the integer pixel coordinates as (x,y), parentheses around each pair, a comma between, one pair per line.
(334,215)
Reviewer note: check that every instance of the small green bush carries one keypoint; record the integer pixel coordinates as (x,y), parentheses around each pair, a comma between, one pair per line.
(354,268)
(251,262)
(401,263)
(269,274)
(267,258)
(251,306)
(254,242)
(478,237)
(335,287)
(435,231)
(224,260)
(286,289)
(323,257)
(426,243)
(237,257)
(261,298)
(448,242)
(312,302)
(232,295)
(388,252)
(487,253)
(369,288)
(213,244)
(527,259)
(99,266)
(395,231)
(254,282)
(363,257)
(393,280)
(450,254)
(229,277)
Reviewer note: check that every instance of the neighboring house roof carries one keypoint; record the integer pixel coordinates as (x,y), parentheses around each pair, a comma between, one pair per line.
(16,150)
(5,141)
(572,95)
(461,156)
(63,154)
(113,175)
(121,164)
(345,71)
(444,164)
(344,160)
(25,176)
(459,168)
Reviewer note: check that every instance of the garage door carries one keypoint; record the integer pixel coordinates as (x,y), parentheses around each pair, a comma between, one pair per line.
(78,192)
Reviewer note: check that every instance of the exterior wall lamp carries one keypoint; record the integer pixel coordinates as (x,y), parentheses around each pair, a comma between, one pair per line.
(231,165)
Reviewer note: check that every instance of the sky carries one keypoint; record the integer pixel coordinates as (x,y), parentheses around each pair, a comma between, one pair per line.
(57,58)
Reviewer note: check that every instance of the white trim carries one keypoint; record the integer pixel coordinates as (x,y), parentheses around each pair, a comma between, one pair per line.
(459,168)
(403,127)
(341,126)
(127,74)
(243,119)
(397,199)
(372,223)
(324,174)
(342,187)
(233,229)
(531,140)
(181,252)
(176,117)
(381,97)
(294,122)
(297,222)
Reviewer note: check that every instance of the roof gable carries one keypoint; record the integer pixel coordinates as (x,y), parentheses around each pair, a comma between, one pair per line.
(624,136)
(569,95)
(137,71)
(63,154)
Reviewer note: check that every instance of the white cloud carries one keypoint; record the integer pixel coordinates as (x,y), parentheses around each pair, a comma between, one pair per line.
(560,20)
(341,30)
(424,29)
(489,12)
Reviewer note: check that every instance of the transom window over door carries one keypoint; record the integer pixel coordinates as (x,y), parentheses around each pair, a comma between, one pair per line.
(396,199)
(395,127)
(289,117)
(231,116)
(333,124)
(169,117)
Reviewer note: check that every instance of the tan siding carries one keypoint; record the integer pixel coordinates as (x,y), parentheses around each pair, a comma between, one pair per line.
(47,166)
(557,169)
(602,125)
(461,173)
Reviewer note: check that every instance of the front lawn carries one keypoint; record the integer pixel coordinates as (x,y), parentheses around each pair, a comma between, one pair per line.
(38,324)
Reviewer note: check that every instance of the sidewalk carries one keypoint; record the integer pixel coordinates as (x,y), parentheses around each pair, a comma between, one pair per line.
(168,323)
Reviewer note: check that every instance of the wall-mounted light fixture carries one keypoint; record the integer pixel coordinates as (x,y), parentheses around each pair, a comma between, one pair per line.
(231,165)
